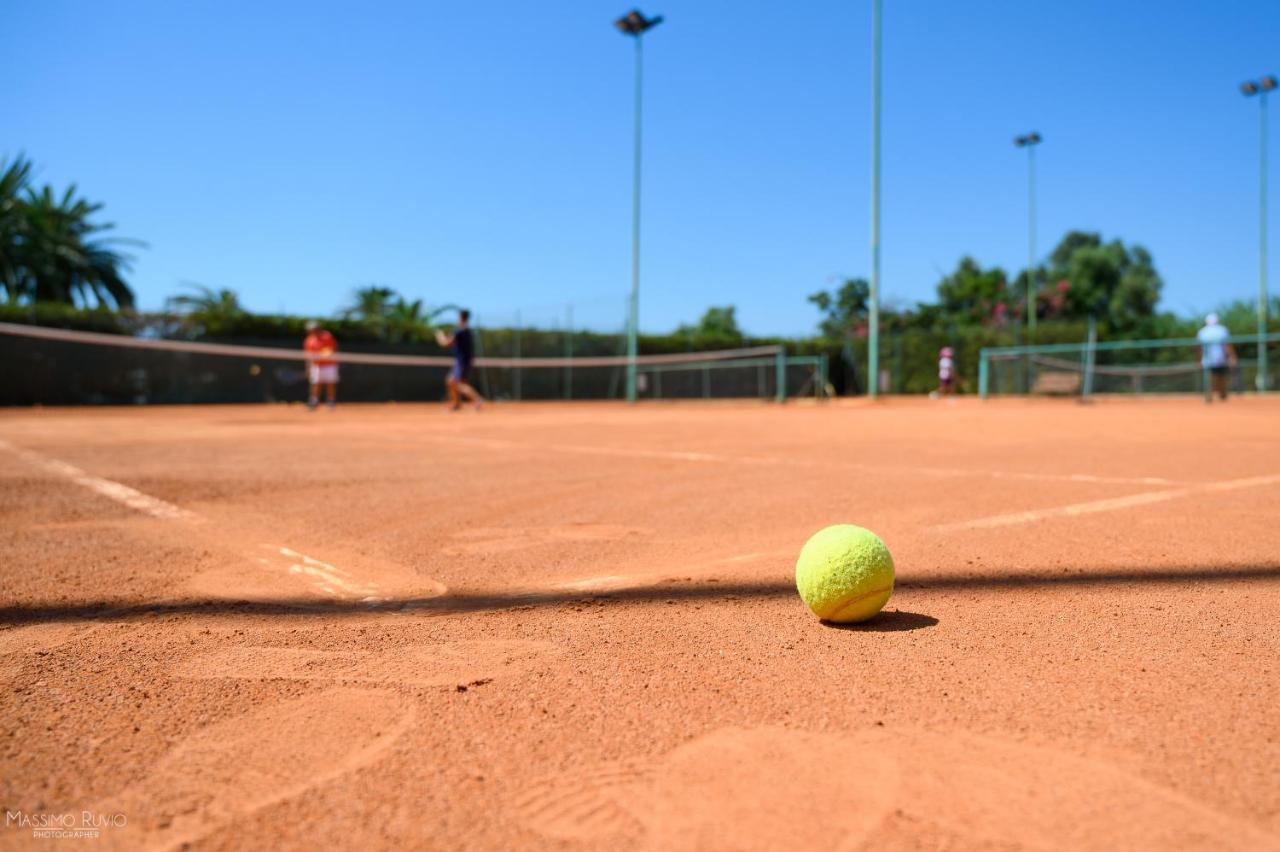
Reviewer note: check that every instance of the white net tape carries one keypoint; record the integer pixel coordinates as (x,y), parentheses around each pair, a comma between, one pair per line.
(282,354)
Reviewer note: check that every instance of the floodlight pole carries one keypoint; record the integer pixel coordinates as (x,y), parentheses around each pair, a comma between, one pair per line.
(1031,237)
(1030,141)
(1263,307)
(873,318)
(1261,88)
(635,25)
(633,307)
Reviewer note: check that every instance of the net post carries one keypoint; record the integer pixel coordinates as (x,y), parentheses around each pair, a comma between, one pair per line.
(780,369)
(568,352)
(984,372)
(1087,388)
(823,366)
(1260,368)
(515,374)
(1084,364)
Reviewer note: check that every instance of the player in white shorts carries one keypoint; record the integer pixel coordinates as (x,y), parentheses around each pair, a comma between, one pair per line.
(322,369)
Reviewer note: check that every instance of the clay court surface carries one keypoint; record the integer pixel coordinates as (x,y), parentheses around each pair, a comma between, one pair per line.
(575,626)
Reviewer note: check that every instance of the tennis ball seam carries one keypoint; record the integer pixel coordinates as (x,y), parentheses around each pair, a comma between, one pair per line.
(844,603)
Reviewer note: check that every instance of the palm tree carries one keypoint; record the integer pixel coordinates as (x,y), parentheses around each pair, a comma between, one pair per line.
(204,311)
(402,318)
(51,253)
(14,177)
(431,315)
(406,311)
(60,257)
(372,303)
(204,302)
(394,316)
(409,319)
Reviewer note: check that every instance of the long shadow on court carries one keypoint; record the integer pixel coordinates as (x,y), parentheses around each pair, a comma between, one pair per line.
(1089,577)
(463,602)
(452,602)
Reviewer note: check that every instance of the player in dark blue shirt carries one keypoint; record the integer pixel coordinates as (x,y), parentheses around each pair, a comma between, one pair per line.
(463,351)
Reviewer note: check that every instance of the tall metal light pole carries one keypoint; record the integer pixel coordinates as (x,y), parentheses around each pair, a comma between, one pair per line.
(1261,88)
(873,318)
(635,25)
(1030,141)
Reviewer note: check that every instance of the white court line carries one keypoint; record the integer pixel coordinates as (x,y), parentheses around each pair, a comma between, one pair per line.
(121,493)
(323,576)
(819,464)
(327,576)
(673,455)
(1049,477)
(842,465)
(1111,504)
(1108,505)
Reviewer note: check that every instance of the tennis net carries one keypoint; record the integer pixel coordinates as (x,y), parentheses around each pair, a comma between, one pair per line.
(49,366)
(1131,367)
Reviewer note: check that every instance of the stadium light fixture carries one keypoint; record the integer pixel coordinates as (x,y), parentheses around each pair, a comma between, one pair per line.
(1030,141)
(635,24)
(1261,88)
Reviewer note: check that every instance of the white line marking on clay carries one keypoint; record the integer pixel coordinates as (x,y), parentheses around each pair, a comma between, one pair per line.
(324,575)
(118,491)
(1111,504)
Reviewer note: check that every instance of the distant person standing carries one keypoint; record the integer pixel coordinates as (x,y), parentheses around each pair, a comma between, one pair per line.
(463,347)
(322,369)
(1217,355)
(946,373)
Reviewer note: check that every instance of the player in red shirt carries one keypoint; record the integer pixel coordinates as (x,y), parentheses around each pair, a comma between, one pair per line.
(322,369)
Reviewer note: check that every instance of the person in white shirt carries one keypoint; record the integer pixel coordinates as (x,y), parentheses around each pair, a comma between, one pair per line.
(946,373)
(1217,355)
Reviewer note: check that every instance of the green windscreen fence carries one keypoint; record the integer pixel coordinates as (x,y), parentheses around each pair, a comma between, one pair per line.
(1132,367)
(44,366)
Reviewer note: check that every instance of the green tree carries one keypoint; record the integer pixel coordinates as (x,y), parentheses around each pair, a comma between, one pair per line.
(1115,283)
(845,310)
(51,249)
(1241,316)
(1072,242)
(976,296)
(716,322)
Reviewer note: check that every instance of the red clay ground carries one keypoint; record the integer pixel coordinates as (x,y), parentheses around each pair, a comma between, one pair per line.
(575,627)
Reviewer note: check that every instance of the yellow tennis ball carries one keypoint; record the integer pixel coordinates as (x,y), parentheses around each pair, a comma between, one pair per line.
(844,573)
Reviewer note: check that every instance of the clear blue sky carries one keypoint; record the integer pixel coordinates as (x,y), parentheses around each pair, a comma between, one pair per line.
(480,152)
